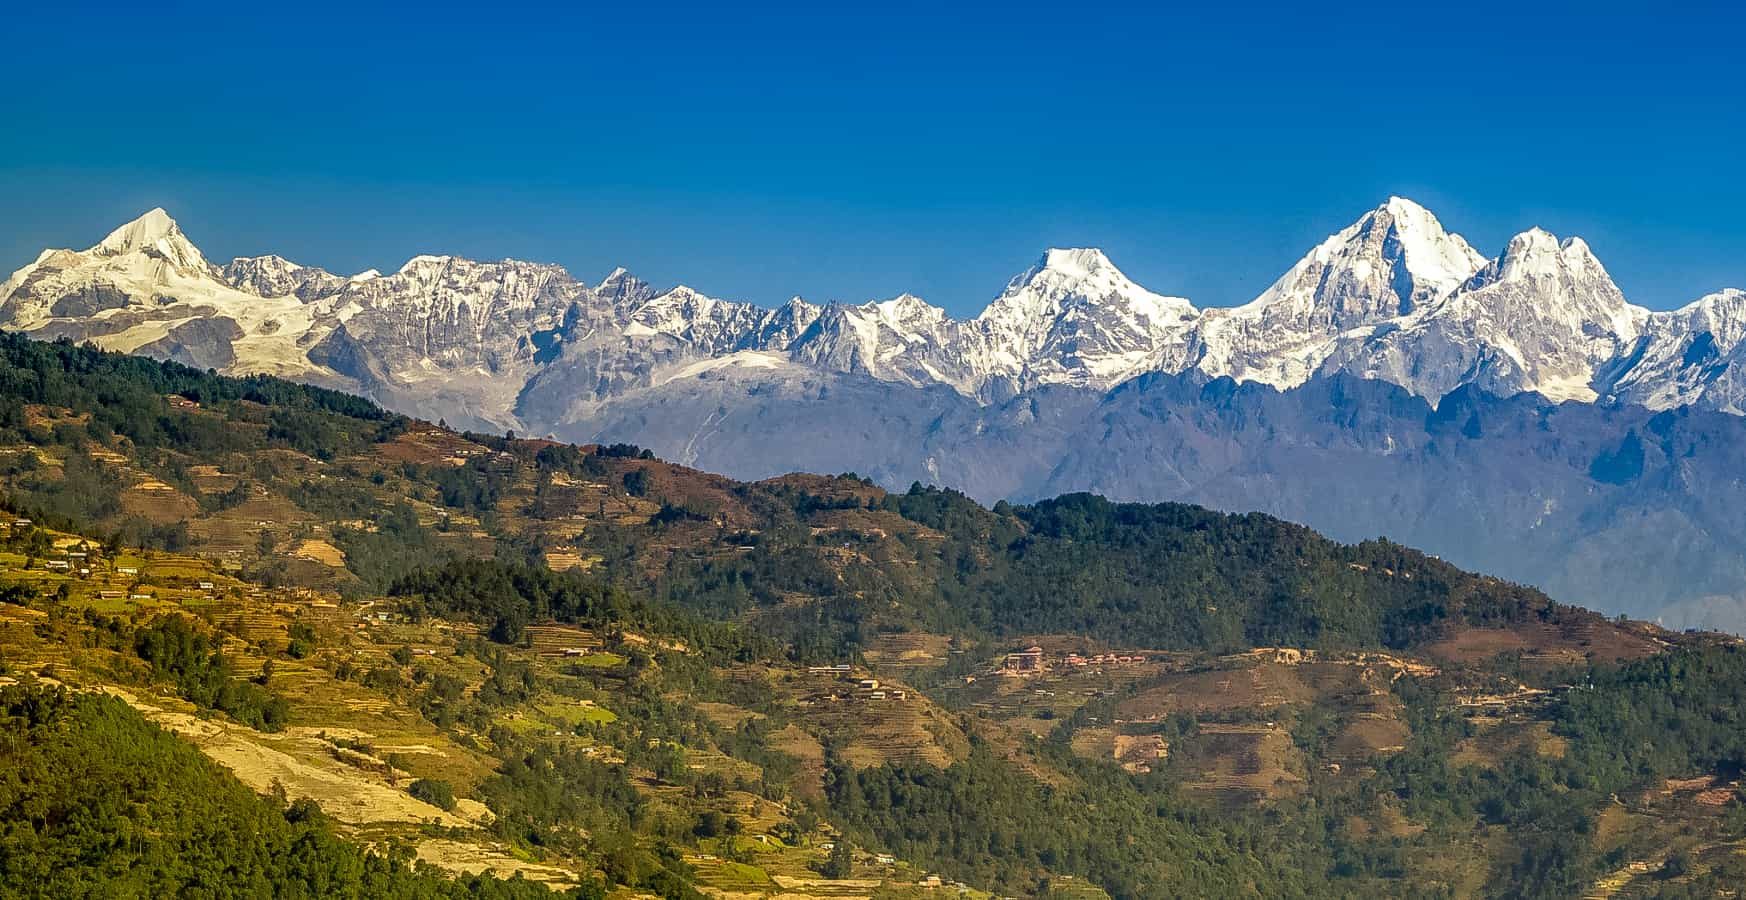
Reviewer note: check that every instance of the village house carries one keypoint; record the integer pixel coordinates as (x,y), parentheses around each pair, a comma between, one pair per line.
(1024,662)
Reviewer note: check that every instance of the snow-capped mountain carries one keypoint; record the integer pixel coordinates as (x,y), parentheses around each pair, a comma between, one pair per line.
(712,326)
(1694,355)
(1074,318)
(145,288)
(785,324)
(904,339)
(1543,317)
(1394,296)
(276,276)
(1392,262)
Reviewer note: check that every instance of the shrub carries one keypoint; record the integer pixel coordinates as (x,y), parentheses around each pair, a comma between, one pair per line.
(434,791)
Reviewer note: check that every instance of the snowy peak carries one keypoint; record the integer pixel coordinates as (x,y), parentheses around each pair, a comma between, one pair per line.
(1073,267)
(1537,253)
(908,310)
(622,290)
(1070,318)
(1692,355)
(1577,256)
(1079,277)
(1544,278)
(892,325)
(1715,321)
(1531,254)
(1724,309)
(423,264)
(155,225)
(270,262)
(1542,317)
(903,339)
(682,300)
(779,328)
(1435,259)
(1392,296)
(709,324)
(154,234)
(1392,262)
(1074,318)
(1394,259)
(276,276)
(1076,262)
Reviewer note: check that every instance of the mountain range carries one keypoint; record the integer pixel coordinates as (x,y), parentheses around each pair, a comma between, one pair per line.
(1516,414)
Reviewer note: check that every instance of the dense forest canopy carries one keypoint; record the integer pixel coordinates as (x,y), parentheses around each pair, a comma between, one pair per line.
(1165,575)
(99,803)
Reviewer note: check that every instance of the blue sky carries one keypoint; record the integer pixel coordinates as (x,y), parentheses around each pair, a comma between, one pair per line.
(856,152)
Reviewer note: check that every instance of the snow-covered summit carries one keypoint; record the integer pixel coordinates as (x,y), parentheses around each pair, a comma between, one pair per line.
(1394,296)
(1544,316)
(1065,278)
(624,290)
(1393,261)
(1074,317)
(709,324)
(1694,355)
(276,276)
(156,232)
(1537,253)
(905,309)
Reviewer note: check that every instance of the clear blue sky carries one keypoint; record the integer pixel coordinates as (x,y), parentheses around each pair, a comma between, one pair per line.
(851,154)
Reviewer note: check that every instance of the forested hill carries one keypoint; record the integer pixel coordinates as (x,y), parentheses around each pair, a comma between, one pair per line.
(1185,577)
(313,464)
(627,677)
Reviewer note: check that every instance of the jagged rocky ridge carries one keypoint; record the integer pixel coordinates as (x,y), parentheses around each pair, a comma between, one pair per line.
(1393,381)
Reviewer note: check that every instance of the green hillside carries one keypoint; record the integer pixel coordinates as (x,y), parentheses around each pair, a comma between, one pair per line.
(325,627)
